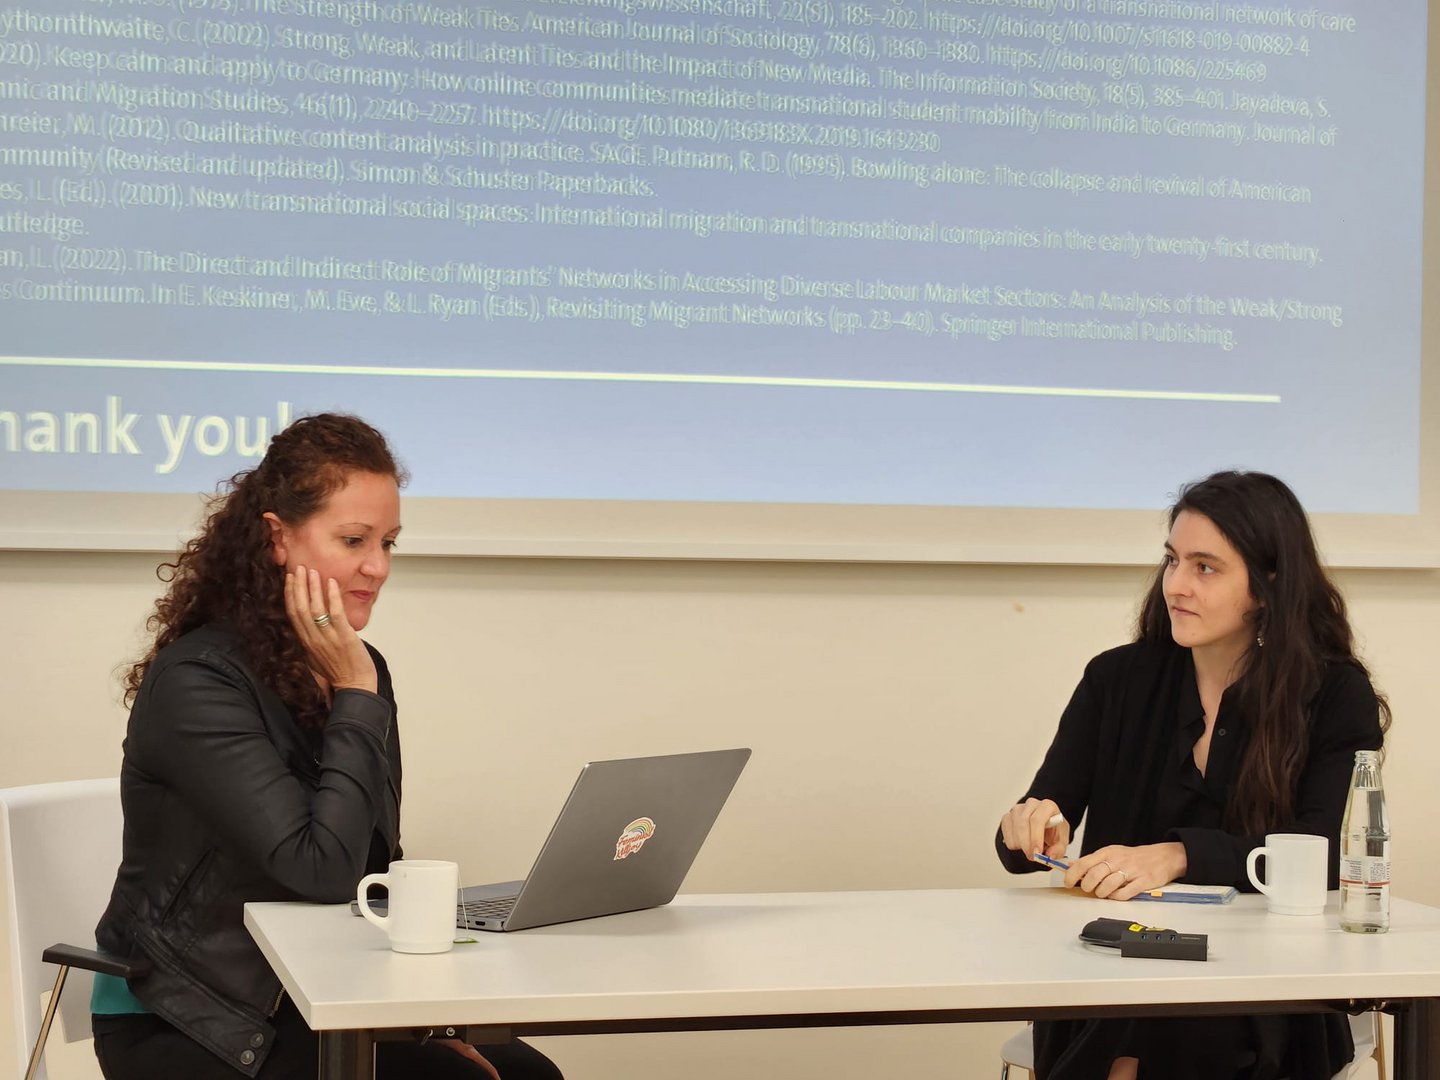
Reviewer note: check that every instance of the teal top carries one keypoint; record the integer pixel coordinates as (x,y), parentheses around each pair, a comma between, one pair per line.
(111,996)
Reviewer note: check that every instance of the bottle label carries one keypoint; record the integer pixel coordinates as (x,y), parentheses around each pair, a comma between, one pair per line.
(1368,870)
(1376,871)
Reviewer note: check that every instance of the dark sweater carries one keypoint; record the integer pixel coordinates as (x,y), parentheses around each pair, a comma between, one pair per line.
(1122,760)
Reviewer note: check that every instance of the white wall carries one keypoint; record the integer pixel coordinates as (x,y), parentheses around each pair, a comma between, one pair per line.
(894,711)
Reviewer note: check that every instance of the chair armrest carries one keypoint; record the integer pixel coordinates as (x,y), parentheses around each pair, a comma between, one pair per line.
(90,960)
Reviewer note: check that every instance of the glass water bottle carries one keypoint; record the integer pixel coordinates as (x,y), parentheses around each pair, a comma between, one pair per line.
(1365,851)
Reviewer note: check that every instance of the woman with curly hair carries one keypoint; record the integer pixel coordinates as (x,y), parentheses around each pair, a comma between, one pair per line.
(1235,712)
(261,762)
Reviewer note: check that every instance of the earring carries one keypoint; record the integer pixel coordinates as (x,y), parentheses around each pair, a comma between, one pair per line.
(1259,641)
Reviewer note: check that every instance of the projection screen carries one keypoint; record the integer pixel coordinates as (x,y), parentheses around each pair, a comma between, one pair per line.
(875,279)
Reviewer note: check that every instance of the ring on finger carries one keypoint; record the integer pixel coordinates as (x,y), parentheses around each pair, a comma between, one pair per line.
(323,619)
(1106,863)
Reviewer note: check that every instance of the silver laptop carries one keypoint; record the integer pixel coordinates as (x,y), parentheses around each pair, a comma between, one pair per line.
(624,840)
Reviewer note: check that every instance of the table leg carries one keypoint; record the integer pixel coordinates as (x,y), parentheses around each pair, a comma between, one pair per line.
(1417,1040)
(347,1055)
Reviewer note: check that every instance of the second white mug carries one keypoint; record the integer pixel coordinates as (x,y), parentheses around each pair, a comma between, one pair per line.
(1297,870)
(421,909)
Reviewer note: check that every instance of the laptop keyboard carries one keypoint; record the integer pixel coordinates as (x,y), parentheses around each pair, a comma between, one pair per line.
(497,907)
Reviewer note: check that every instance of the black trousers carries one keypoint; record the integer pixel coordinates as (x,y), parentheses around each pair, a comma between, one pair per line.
(1312,1046)
(145,1047)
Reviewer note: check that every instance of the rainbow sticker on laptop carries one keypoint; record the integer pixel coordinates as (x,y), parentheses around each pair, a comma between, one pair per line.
(634,837)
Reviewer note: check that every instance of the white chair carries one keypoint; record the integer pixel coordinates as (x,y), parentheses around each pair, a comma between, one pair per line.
(1369,1035)
(1019,1050)
(59,847)
(1018,1053)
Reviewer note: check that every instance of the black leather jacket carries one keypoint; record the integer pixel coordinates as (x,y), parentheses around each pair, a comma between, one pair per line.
(227,800)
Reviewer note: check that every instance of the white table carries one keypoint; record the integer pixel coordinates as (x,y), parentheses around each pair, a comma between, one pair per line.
(834,959)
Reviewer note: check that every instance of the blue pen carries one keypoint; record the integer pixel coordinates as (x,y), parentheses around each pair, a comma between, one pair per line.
(1041,857)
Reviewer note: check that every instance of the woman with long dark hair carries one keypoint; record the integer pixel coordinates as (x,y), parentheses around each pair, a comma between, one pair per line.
(1236,711)
(261,762)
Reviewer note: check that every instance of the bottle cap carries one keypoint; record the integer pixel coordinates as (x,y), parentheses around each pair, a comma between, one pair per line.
(1368,757)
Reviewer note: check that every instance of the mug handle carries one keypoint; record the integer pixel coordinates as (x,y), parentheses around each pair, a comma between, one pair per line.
(1255,854)
(363,899)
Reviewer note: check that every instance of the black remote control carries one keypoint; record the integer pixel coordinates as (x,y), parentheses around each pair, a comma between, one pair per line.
(1136,939)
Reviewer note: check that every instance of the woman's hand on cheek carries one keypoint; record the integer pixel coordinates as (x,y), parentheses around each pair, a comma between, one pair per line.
(317,614)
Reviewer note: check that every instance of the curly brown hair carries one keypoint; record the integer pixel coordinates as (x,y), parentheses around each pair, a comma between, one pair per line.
(227,573)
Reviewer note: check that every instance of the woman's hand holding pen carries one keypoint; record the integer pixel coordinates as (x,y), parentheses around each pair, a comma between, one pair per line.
(1036,826)
(317,612)
(1120,873)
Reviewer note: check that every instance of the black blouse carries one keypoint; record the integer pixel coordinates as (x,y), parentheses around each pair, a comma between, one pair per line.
(1122,759)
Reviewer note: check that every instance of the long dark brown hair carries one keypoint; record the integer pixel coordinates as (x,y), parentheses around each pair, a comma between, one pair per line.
(227,572)
(1300,617)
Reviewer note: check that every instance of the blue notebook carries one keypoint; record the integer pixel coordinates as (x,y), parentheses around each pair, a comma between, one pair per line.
(1174,893)
(1177,893)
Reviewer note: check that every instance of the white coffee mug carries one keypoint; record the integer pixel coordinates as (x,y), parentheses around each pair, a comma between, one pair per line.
(1296,869)
(422,904)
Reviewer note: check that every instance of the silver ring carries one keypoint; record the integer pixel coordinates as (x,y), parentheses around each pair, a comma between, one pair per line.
(1106,863)
(1124,876)
(323,619)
